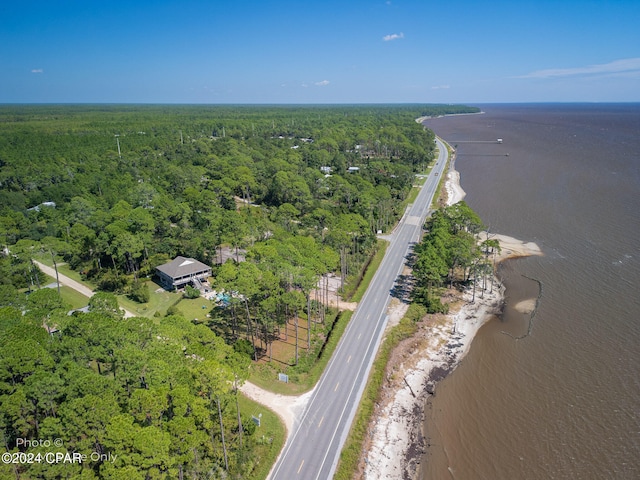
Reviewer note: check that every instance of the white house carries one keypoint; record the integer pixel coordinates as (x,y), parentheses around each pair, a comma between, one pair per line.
(181,271)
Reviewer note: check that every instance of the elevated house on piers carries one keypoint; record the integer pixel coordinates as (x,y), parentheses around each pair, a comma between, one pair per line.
(182,271)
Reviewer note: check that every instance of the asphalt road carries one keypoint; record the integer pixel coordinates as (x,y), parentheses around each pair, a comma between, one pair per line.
(313,449)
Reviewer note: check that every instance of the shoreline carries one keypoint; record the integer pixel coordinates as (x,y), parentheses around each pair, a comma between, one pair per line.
(429,117)
(396,442)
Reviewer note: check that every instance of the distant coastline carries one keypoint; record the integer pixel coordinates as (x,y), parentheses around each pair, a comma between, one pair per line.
(429,117)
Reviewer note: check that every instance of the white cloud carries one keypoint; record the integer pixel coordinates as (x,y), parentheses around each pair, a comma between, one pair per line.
(393,36)
(37,70)
(440,87)
(322,83)
(624,66)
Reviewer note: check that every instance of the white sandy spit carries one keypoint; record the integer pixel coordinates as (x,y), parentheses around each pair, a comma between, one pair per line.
(455,193)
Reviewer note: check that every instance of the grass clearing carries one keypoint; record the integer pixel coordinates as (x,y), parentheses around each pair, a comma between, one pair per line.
(159,301)
(74,299)
(194,308)
(303,377)
(269,437)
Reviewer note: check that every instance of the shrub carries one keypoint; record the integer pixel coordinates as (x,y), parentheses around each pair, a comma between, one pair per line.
(139,292)
(434,305)
(110,281)
(244,347)
(191,292)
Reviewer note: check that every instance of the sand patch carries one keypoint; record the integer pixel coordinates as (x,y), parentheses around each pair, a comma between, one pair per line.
(455,193)
(514,248)
(526,306)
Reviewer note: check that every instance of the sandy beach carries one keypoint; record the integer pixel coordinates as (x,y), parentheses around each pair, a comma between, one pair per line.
(396,442)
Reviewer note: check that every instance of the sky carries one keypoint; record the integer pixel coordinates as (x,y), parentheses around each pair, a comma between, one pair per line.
(320,51)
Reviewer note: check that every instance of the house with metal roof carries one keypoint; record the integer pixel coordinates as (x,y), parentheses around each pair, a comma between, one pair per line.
(182,271)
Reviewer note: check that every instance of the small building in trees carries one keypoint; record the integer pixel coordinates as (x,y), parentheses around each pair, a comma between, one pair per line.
(182,271)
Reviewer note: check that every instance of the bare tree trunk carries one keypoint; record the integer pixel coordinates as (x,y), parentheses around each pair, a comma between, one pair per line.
(224,446)
(296,324)
(308,322)
(55,265)
(240,430)
(35,271)
(250,331)
(473,299)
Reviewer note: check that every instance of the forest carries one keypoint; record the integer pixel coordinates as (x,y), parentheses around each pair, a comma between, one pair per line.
(293,193)
(451,250)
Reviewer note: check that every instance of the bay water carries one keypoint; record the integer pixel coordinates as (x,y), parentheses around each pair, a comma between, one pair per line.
(564,401)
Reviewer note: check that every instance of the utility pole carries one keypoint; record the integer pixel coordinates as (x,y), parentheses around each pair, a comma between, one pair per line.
(224,445)
(55,265)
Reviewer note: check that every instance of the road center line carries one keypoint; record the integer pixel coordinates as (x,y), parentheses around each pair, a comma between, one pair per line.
(300,467)
(335,389)
(320,422)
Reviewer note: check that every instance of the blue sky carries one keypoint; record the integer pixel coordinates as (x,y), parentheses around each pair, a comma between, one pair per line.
(332,51)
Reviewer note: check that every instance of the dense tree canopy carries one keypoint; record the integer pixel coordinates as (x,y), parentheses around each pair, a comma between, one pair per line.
(138,390)
(450,244)
(115,191)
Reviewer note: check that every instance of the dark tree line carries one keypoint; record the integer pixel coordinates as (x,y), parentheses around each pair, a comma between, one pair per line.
(450,251)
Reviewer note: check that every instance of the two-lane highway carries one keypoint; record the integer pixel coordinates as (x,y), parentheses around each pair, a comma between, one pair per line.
(313,449)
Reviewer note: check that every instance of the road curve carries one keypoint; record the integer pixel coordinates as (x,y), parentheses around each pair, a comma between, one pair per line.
(313,449)
(71,283)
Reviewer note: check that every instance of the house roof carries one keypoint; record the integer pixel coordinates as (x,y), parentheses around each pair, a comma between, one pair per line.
(181,266)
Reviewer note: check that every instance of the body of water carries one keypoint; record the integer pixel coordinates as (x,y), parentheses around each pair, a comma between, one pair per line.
(564,402)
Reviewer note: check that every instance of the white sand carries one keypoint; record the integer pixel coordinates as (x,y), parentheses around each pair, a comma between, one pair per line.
(512,247)
(526,306)
(455,193)
(286,406)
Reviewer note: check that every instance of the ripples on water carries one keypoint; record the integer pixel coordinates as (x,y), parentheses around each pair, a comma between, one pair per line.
(564,402)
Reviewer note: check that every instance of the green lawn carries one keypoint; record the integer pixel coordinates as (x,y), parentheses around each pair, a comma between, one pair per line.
(69,295)
(73,275)
(74,299)
(270,436)
(192,308)
(159,301)
(63,268)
